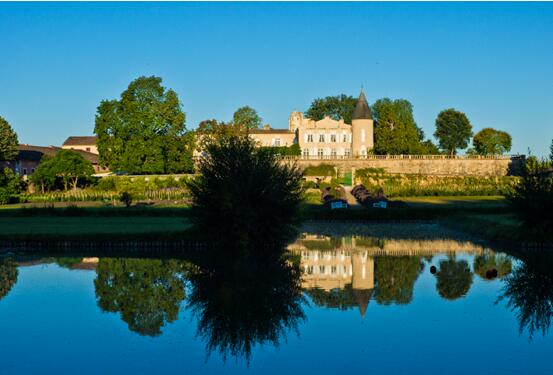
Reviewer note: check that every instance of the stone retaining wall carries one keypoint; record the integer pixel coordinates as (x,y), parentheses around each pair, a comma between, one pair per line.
(436,167)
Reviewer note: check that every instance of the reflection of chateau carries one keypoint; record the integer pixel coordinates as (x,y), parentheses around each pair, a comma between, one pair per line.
(336,263)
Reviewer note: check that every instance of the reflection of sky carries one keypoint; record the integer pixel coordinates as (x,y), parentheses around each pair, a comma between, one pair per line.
(50,323)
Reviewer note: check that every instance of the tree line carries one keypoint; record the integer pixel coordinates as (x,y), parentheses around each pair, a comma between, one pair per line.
(397,133)
(144,132)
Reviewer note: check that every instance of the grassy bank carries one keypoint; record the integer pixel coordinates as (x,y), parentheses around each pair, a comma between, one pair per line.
(106,222)
(484,217)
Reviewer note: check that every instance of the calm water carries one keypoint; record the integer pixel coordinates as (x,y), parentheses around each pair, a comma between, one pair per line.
(359,303)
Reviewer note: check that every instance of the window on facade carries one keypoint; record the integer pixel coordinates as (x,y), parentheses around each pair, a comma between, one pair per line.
(347,151)
(333,138)
(333,152)
(345,138)
(88,149)
(24,170)
(321,137)
(362,135)
(320,152)
(277,142)
(305,152)
(322,270)
(333,270)
(310,138)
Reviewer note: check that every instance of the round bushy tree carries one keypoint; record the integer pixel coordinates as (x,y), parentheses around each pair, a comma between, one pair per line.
(453,130)
(244,194)
(490,141)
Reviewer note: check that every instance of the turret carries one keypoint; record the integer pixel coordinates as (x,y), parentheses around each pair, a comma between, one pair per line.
(295,121)
(362,128)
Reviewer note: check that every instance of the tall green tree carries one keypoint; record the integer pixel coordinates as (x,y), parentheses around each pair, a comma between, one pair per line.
(336,107)
(490,141)
(140,132)
(396,131)
(551,152)
(453,130)
(247,118)
(8,141)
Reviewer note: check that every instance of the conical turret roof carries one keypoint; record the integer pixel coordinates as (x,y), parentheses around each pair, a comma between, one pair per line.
(362,297)
(362,110)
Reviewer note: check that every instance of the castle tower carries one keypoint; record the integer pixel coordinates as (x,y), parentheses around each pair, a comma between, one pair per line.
(362,128)
(295,121)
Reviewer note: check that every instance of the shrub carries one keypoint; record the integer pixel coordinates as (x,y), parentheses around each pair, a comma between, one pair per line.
(246,194)
(126,198)
(532,199)
(11,186)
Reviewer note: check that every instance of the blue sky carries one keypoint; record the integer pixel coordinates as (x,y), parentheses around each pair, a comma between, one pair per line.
(492,61)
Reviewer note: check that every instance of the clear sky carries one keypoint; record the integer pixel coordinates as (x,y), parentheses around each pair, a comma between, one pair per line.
(492,61)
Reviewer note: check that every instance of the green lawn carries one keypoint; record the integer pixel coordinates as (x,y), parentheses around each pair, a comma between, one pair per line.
(72,227)
(169,222)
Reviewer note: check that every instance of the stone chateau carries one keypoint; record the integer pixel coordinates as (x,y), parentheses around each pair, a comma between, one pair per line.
(326,138)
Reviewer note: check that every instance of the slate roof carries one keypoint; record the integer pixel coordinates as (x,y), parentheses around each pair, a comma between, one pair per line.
(362,110)
(35,153)
(80,140)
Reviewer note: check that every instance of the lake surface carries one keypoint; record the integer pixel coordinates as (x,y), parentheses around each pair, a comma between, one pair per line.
(412,300)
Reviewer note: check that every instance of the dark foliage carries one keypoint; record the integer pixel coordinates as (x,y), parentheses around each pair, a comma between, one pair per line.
(528,291)
(126,198)
(245,195)
(245,303)
(532,199)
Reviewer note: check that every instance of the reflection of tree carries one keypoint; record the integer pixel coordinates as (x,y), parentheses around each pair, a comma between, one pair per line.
(454,279)
(147,292)
(489,266)
(395,278)
(8,276)
(529,293)
(341,298)
(68,262)
(241,305)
